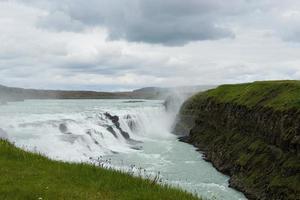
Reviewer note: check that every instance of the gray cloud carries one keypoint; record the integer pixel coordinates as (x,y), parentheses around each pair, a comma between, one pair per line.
(135,43)
(291,25)
(59,21)
(168,22)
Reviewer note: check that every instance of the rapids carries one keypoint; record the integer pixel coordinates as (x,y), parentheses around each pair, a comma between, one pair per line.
(133,136)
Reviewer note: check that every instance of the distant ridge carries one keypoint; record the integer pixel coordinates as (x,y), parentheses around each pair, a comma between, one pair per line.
(151,89)
(20,94)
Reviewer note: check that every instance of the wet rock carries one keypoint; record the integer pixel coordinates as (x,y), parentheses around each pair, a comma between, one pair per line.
(112,131)
(132,101)
(134,142)
(137,148)
(63,128)
(124,133)
(131,123)
(115,120)
(184,139)
(96,142)
(89,132)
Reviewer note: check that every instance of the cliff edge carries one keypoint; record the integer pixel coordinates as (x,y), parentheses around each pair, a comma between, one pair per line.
(251,132)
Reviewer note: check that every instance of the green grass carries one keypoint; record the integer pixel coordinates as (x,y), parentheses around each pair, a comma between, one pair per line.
(279,95)
(25,175)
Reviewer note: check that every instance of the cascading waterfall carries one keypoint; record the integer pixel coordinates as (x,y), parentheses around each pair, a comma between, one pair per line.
(89,133)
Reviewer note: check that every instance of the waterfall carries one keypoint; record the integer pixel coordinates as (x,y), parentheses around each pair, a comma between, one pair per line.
(90,133)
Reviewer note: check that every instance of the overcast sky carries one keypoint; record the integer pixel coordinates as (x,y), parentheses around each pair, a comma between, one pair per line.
(127,44)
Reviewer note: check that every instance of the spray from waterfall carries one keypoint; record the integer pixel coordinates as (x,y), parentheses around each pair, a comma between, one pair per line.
(76,131)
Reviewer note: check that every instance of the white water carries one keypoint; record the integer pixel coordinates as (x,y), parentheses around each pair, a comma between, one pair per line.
(36,125)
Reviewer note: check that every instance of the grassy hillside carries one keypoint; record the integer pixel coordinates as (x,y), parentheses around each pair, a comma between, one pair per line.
(26,175)
(280,95)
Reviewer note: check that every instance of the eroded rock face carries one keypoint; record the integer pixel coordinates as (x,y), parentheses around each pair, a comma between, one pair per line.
(258,147)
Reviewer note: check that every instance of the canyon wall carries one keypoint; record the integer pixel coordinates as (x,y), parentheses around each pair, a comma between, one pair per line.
(255,139)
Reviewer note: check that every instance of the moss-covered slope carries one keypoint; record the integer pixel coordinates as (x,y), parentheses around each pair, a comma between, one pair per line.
(279,95)
(251,132)
(26,175)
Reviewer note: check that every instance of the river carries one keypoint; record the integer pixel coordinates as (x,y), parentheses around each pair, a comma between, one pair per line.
(133,136)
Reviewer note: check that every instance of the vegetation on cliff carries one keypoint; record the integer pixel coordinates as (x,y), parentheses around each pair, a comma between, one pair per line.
(251,132)
(26,175)
(279,95)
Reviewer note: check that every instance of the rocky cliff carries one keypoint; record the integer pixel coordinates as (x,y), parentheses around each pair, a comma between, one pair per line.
(250,132)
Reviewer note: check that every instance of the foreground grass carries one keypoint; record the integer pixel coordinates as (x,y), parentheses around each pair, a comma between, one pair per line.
(26,175)
(279,95)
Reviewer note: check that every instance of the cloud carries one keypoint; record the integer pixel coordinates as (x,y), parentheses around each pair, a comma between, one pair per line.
(168,22)
(114,45)
(59,21)
(290,21)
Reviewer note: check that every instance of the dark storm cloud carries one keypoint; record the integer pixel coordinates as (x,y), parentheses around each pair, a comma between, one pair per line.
(168,22)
